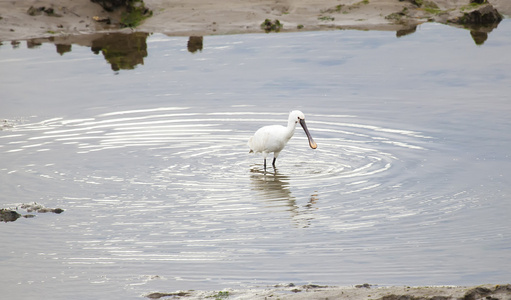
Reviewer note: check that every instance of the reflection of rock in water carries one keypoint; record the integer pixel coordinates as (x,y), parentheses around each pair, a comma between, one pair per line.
(479,16)
(122,51)
(63,48)
(195,43)
(481,19)
(32,44)
(479,37)
(406,31)
(15,44)
(480,33)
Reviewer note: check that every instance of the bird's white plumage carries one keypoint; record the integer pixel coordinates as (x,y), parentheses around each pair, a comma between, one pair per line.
(274,138)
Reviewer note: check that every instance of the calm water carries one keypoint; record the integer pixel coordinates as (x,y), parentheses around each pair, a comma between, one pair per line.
(410,184)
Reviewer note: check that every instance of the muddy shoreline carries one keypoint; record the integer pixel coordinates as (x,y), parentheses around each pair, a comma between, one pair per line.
(358,292)
(60,19)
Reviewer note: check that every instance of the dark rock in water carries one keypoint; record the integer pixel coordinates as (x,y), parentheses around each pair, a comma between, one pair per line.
(58,210)
(7,215)
(480,19)
(34,207)
(160,295)
(481,15)
(314,286)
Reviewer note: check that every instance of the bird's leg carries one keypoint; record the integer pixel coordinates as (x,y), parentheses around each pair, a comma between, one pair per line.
(273,163)
(265,164)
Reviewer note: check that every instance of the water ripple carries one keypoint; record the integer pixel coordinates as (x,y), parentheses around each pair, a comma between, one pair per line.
(180,186)
(216,140)
(206,153)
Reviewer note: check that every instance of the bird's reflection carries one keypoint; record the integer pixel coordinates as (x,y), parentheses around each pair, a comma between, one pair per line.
(274,190)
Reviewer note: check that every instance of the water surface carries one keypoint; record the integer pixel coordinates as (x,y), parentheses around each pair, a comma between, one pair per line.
(409,185)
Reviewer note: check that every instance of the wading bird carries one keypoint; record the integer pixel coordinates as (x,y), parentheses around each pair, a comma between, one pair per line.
(274,138)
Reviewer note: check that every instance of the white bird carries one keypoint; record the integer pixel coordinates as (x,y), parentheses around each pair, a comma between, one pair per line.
(274,138)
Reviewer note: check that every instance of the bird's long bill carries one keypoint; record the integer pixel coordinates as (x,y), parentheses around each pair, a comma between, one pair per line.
(311,141)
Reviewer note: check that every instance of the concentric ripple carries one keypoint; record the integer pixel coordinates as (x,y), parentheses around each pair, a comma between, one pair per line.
(214,145)
(206,156)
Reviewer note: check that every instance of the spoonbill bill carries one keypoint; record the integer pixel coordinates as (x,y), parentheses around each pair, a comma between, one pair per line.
(274,138)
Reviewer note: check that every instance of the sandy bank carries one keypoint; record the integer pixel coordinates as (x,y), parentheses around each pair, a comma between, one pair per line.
(199,17)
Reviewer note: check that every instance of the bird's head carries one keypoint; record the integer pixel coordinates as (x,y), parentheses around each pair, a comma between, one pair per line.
(296,116)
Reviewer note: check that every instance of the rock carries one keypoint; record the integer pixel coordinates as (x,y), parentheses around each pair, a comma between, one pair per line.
(269,25)
(36,11)
(481,292)
(34,207)
(160,295)
(133,11)
(9,215)
(111,5)
(476,293)
(57,210)
(484,14)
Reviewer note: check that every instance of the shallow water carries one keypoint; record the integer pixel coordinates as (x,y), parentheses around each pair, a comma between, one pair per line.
(410,184)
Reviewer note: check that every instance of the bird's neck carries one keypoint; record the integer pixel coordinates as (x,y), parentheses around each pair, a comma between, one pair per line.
(291,125)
